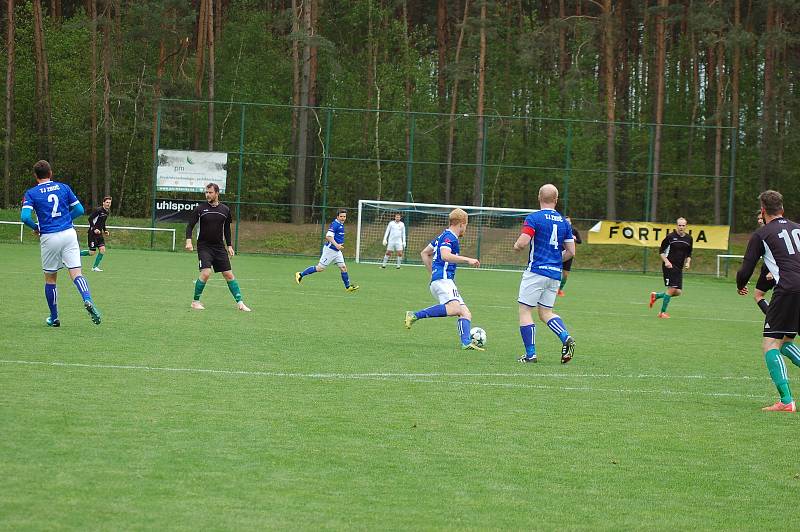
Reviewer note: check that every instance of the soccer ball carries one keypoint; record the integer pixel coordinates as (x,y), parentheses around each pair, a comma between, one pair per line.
(478,336)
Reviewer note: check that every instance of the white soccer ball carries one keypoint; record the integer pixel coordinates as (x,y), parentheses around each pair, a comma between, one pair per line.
(478,336)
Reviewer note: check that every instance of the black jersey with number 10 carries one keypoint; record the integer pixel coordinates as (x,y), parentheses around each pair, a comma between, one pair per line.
(779,243)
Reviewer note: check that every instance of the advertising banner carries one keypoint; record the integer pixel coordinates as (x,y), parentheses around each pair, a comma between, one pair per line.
(174,210)
(651,234)
(191,171)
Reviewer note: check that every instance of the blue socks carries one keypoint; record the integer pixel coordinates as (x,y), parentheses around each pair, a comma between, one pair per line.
(528,333)
(346,279)
(556,325)
(83,287)
(436,311)
(308,271)
(463,330)
(51,294)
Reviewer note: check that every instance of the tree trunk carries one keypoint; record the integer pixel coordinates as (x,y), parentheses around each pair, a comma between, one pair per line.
(409,86)
(563,57)
(720,84)
(477,189)
(611,160)
(660,55)
(92,5)
(295,75)
(106,65)
(766,125)
(218,22)
(210,33)
(453,106)
(44,122)
(9,103)
(298,200)
(200,59)
(441,81)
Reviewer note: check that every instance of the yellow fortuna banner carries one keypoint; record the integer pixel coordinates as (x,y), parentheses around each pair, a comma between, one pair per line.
(651,234)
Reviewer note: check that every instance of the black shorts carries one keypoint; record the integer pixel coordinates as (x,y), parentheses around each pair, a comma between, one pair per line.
(567,266)
(214,256)
(95,241)
(783,315)
(673,277)
(764,284)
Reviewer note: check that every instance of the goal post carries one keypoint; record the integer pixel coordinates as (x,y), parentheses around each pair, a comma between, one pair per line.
(490,234)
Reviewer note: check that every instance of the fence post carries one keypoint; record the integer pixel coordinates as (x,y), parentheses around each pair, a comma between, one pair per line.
(649,194)
(567,167)
(239,181)
(155,173)
(326,159)
(483,184)
(410,163)
(731,187)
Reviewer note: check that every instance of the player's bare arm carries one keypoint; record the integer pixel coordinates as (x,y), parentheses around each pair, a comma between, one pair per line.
(687,263)
(330,239)
(449,256)
(522,242)
(427,257)
(569,251)
(667,263)
(231,252)
(188,246)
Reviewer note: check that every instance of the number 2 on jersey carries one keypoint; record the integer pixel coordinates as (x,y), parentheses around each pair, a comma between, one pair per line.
(54,199)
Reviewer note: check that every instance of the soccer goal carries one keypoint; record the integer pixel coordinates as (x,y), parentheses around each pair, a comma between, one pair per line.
(490,235)
(121,236)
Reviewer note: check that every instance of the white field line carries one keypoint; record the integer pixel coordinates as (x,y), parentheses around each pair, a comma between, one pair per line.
(430,378)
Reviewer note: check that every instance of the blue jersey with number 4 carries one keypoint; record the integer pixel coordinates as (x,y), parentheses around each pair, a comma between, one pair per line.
(51,201)
(439,268)
(548,231)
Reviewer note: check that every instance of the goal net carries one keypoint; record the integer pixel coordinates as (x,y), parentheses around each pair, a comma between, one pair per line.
(490,234)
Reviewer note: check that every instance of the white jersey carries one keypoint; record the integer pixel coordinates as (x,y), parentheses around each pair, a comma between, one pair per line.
(395,233)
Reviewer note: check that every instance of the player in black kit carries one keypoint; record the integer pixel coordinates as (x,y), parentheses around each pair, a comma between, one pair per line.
(676,253)
(97,231)
(212,237)
(778,242)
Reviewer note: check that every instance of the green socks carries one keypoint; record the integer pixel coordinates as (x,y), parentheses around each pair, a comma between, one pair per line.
(198,289)
(563,282)
(777,372)
(84,253)
(233,286)
(97,260)
(791,351)
(664,303)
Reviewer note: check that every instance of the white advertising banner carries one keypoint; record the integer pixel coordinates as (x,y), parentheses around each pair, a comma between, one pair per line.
(191,171)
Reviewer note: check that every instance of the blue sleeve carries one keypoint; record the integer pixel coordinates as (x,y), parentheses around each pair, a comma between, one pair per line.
(76,210)
(26,218)
(72,199)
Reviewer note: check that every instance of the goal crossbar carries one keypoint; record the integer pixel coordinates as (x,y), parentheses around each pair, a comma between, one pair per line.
(125,227)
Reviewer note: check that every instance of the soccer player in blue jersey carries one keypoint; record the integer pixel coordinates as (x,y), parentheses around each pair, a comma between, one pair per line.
(441,257)
(332,252)
(56,206)
(545,233)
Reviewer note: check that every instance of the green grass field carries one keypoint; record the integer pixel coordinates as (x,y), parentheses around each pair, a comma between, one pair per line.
(318,410)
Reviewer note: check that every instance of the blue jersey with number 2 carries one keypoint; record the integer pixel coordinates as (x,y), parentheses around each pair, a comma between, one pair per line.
(51,201)
(548,231)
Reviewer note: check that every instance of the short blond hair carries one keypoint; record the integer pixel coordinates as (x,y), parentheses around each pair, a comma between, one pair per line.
(548,193)
(458,216)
